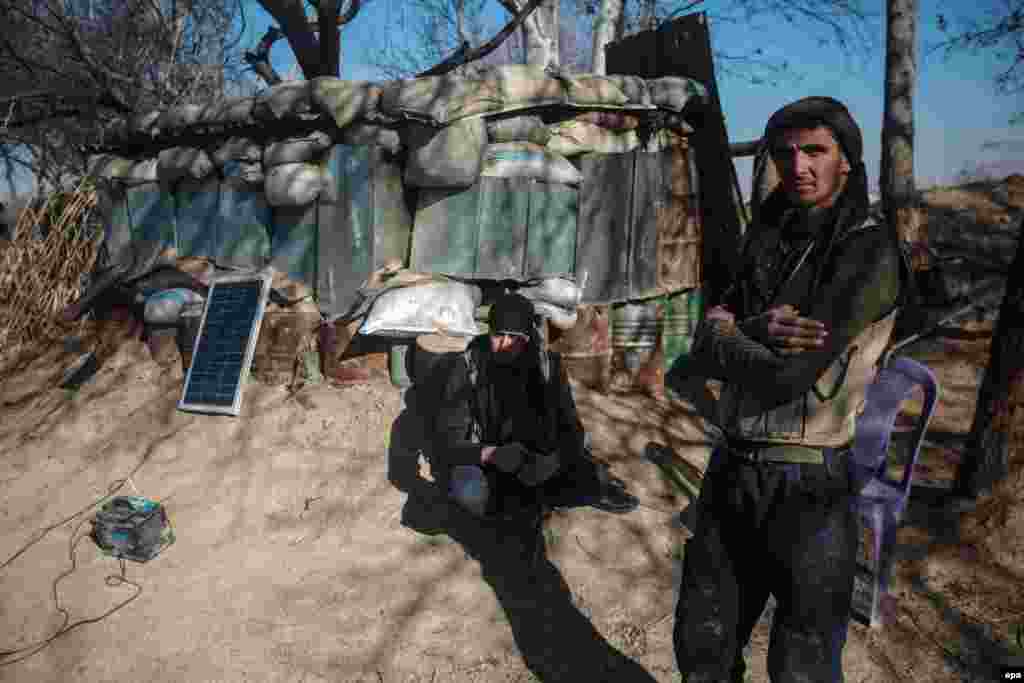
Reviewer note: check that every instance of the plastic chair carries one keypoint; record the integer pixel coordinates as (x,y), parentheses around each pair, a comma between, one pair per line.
(882,501)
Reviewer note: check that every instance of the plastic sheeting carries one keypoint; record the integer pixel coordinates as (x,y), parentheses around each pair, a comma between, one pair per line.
(294,244)
(151,213)
(197,213)
(244,225)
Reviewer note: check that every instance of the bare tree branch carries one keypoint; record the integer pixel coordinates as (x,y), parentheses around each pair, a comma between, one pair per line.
(466,56)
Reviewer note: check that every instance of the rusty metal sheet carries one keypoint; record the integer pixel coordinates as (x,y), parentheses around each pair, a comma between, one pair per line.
(648,199)
(682,47)
(602,238)
(679,225)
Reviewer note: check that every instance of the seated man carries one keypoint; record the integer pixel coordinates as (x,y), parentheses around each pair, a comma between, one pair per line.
(508,433)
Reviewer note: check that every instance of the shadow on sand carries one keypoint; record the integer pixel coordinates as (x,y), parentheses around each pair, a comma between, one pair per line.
(556,640)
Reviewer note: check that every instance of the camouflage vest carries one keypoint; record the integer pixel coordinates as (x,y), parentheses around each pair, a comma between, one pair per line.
(825,415)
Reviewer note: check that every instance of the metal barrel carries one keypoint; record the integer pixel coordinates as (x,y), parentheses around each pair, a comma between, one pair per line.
(681,312)
(635,329)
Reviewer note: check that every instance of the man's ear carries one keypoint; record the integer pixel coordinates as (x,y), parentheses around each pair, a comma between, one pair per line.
(844,164)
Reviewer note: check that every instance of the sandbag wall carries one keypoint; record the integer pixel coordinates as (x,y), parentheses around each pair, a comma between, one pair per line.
(513,174)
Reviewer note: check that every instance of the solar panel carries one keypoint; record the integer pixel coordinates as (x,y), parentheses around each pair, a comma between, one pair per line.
(225,344)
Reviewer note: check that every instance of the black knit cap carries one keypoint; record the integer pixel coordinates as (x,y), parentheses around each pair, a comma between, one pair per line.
(512,314)
(811,112)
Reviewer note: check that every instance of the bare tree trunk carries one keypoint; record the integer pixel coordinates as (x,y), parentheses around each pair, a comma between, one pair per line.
(1000,408)
(540,32)
(606,25)
(899,195)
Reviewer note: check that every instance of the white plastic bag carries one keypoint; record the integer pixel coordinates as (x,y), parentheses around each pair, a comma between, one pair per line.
(425,309)
(166,306)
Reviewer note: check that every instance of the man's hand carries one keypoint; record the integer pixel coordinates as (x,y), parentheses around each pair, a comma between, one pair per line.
(785,331)
(507,458)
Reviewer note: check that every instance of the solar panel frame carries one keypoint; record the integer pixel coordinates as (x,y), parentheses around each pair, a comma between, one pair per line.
(235,407)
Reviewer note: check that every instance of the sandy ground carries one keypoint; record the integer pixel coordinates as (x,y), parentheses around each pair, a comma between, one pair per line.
(312,544)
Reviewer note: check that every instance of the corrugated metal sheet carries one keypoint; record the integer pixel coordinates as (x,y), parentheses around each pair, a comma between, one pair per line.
(151,213)
(197,216)
(682,47)
(602,240)
(293,243)
(243,233)
(642,238)
(515,228)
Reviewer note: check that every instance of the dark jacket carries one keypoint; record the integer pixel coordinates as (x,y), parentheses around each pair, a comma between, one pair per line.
(849,278)
(546,421)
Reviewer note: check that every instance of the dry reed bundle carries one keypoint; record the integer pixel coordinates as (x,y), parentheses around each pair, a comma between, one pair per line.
(39,278)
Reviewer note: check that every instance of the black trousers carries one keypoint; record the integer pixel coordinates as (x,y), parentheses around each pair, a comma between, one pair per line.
(782,529)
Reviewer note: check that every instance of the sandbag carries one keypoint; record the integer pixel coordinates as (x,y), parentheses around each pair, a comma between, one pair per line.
(596,90)
(558,291)
(145,122)
(369,134)
(237,149)
(297,149)
(612,120)
(447,157)
(345,101)
(527,128)
(634,88)
(527,160)
(559,317)
(165,307)
(127,171)
(578,137)
(673,92)
(524,85)
(294,184)
(664,139)
(183,162)
(284,99)
(180,117)
(250,172)
(424,309)
(440,98)
(235,110)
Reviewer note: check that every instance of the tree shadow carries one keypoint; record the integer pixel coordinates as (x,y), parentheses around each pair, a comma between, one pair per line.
(556,640)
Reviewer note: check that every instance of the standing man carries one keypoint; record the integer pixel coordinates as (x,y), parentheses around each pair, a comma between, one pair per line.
(796,343)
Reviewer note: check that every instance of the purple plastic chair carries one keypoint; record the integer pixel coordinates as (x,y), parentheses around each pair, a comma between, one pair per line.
(882,501)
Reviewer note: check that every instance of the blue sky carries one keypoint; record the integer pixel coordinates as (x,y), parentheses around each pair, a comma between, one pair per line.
(956,107)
